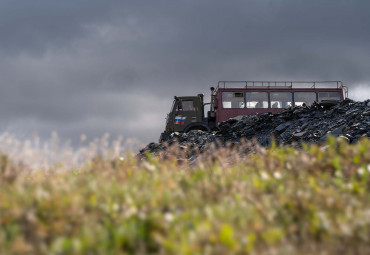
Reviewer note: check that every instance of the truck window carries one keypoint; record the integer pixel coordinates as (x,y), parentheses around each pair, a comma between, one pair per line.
(257,100)
(233,100)
(188,105)
(329,96)
(306,98)
(280,99)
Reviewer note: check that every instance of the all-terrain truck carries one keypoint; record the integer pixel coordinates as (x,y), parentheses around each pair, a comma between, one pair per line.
(239,98)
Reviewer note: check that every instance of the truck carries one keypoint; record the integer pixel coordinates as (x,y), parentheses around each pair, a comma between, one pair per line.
(240,98)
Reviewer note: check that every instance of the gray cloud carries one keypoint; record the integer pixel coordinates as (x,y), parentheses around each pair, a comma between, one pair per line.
(114,66)
(33,26)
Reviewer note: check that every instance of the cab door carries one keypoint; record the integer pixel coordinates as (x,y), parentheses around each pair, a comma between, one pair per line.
(185,115)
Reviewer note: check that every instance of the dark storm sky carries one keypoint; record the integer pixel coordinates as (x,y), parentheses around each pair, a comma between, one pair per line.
(89,66)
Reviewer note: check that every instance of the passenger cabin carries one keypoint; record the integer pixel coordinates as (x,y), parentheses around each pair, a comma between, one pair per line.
(234,98)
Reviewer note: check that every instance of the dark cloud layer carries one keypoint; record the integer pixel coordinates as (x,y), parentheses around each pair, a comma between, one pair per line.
(113,66)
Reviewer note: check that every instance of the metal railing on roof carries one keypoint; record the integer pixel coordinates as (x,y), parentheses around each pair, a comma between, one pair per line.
(284,84)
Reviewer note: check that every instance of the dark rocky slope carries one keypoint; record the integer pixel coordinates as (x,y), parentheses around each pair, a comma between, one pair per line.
(348,119)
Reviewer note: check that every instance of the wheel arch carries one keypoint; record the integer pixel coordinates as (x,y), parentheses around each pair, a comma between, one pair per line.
(197,126)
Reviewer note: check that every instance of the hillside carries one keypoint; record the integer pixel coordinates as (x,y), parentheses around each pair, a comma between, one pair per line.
(277,201)
(348,120)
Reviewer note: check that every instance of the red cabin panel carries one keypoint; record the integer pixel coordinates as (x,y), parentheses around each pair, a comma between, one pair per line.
(232,102)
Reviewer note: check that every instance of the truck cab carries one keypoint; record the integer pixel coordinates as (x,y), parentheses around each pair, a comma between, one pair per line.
(187,113)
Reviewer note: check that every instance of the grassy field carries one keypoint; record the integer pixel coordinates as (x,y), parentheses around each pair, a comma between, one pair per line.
(276,201)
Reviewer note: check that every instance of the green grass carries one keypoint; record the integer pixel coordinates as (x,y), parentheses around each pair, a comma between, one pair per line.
(276,201)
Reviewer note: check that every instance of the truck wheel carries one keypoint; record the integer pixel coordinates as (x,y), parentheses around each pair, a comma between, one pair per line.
(200,128)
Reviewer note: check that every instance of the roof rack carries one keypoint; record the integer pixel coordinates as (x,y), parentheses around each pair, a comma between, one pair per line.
(284,84)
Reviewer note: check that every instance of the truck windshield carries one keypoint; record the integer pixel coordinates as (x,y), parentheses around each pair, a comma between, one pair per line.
(188,105)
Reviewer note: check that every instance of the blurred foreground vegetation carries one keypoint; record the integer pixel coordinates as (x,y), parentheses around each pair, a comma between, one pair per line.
(276,201)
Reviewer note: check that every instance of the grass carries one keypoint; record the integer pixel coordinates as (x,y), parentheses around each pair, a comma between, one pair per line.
(276,201)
